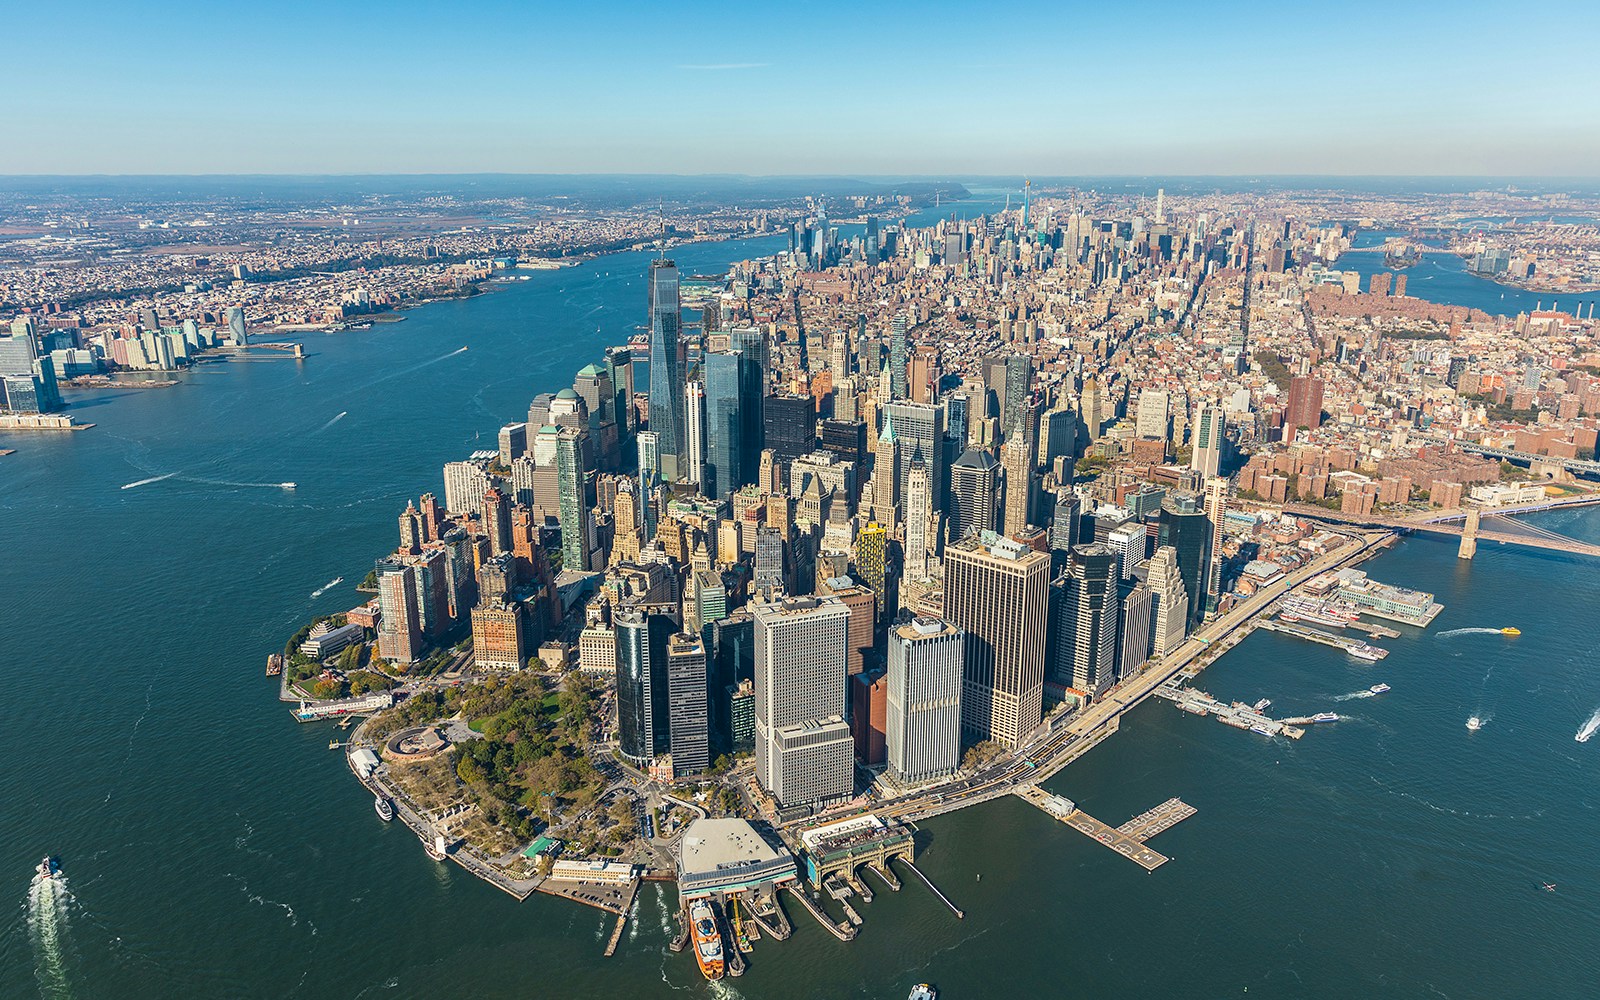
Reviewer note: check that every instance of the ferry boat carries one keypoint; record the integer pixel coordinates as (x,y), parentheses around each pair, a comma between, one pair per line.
(922,991)
(1510,631)
(1474,723)
(1365,653)
(48,868)
(384,807)
(1259,728)
(707,939)
(1378,688)
(1325,717)
(1263,704)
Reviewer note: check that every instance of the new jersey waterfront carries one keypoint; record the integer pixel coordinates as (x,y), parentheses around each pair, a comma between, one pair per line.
(214,848)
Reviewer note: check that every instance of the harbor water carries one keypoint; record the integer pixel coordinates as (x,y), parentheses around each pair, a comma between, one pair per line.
(214,848)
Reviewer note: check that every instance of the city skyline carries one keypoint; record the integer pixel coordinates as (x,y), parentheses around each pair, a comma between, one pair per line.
(1246,90)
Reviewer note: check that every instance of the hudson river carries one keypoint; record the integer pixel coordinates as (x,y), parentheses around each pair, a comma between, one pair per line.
(214,848)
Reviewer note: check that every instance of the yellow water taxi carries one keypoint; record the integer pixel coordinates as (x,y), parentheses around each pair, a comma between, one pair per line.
(1511,631)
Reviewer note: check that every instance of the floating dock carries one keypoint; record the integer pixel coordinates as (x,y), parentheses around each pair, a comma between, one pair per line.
(1128,839)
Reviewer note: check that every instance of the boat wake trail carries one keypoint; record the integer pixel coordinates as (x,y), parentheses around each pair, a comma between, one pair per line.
(1469,631)
(1354,695)
(1589,727)
(231,482)
(341,416)
(414,368)
(147,482)
(47,931)
(326,587)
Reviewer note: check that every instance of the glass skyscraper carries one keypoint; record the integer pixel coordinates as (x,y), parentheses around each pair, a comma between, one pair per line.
(666,368)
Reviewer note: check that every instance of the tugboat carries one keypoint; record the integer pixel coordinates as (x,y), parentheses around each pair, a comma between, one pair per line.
(384,807)
(48,868)
(707,939)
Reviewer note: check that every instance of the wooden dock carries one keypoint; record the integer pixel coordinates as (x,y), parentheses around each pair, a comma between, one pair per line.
(1128,839)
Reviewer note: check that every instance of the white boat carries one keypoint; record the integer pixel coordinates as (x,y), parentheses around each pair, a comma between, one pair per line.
(922,991)
(1325,717)
(1474,723)
(1378,688)
(384,807)
(48,868)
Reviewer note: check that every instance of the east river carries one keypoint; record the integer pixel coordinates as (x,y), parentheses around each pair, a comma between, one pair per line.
(214,848)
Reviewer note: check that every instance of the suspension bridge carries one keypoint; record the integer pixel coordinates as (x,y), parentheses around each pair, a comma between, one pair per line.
(1472,525)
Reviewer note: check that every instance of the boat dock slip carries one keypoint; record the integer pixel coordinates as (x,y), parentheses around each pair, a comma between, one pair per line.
(844,932)
(1353,646)
(1238,715)
(1128,839)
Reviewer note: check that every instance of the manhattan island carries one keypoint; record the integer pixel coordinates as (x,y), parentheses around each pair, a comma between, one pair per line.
(905,522)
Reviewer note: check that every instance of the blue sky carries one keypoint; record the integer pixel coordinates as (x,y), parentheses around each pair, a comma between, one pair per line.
(859,88)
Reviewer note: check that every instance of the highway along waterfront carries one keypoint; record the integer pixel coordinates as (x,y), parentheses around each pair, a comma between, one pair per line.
(213,847)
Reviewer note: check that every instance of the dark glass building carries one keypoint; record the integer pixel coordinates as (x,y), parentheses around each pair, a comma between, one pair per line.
(1190,535)
(791,424)
(642,693)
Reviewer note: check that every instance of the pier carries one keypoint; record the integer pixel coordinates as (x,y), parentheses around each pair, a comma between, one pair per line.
(960,915)
(1238,715)
(844,932)
(1355,647)
(1128,839)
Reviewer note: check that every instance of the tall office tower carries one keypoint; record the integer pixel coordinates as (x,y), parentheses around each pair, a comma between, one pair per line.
(955,246)
(1216,510)
(768,571)
(1066,525)
(862,603)
(872,560)
(1305,403)
(804,752)
(997,593)
(917,514)
(667,369)
(923,376)
(1133,647)
(497,521)
(1206,458)
(1058,437)
(899,355)
(695,415)
(464,486)
(1083,613)
(919,437)
(1017,461)
(1019,382)
(619,365)
(399,631)
(723,472)
(1161,204)
(1190,535)
(1169,602)
(689,735)
(1128,542)
(885,462)
(643,702)
(791,429)
(237,331)
(974,481)
(513,441)
(1152,420)
(649,477)
(923,720)
(957,415)
(572,500)
(873,244)
(593,386)
(839,357)
(1090,405)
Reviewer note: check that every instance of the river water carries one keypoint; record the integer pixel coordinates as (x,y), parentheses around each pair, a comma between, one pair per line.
(214,848)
